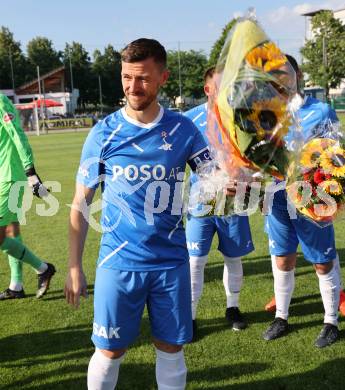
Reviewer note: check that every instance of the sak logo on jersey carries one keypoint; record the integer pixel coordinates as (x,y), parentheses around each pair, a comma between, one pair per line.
(193,245)
(8,117)
(107,333)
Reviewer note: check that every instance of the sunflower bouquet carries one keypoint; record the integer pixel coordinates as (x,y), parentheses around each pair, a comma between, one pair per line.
(252,107)
(249,114)
(316,183)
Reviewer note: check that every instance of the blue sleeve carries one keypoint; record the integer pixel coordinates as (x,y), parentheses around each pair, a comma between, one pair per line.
(188,114)
(200,151)
(326,126)
(333,115)
(91,165)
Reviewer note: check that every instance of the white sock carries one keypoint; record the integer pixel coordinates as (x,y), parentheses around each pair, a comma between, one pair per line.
(197,267)
(284,284)
(171,370)
(43,267)
(274,265)
(329,289)
(232,280)
(103,372)
(16,286)
(336,265)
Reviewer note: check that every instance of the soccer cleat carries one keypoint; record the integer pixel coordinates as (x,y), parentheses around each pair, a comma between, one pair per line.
(44,280)
(328,335)
(271,305)
(11,294)
(235,318)
(278,328)
(342,303)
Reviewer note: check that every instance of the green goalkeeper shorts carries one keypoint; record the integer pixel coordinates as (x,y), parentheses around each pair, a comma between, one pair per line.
(10,203)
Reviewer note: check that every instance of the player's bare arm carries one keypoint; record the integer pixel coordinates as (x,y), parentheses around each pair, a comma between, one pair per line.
(76,285)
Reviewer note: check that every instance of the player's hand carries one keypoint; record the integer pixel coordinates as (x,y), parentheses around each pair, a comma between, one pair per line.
(35,183)
(75,286)
(230,190)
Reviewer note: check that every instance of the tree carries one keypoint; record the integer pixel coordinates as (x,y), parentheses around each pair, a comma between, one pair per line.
(218,45)
(325,52)
(192,68)
(76,56)
(11,54)
(108,67)
(41,53)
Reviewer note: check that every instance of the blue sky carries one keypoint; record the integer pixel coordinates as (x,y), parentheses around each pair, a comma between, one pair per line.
(196,24)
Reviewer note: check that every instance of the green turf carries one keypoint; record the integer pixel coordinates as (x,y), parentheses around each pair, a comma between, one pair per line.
(341,116)
(46,345)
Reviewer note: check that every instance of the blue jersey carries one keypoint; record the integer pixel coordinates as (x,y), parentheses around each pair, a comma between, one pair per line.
(233,232)
(198,115)
(315,118)
(141,170)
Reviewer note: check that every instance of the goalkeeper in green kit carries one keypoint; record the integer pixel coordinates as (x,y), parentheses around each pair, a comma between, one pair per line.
(16,164)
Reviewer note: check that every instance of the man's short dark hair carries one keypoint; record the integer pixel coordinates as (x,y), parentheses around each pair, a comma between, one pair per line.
(293,62)
(209,72)
(142,49)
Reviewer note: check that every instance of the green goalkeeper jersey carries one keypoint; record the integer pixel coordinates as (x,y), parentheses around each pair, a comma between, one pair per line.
(15,151)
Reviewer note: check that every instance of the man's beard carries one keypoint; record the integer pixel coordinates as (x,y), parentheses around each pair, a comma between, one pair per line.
(140,106)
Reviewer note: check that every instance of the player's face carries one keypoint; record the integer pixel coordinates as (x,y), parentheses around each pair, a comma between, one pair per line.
(141,82)
(287,81)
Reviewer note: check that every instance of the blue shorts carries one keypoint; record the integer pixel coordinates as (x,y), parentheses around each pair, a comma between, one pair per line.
(234,235)
(317,243)
(119,302)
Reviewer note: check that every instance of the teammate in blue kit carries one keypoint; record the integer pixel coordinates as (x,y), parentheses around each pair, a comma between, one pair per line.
(138,154)
(233,233)
(317,244)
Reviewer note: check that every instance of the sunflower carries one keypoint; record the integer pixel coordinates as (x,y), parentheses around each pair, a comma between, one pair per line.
(267,57)
(312,151)
(332,187)
(333,161)
(270,118)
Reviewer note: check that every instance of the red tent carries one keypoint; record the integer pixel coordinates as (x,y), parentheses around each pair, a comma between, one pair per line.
(38,103)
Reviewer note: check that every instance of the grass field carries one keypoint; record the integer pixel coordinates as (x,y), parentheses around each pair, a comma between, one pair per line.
(46,345)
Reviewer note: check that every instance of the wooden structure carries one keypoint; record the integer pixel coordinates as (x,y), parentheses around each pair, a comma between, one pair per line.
(53,81)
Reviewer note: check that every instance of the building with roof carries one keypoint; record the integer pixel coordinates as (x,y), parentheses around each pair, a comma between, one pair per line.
(51,85)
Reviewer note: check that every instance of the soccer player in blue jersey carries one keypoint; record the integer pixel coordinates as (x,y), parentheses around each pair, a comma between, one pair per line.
(317,244)
(233,233)
(138,154)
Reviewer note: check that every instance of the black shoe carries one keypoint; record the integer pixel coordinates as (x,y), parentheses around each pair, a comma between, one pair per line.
(278,328)
(11,294)
(44,280)
(328,335)
(235,318)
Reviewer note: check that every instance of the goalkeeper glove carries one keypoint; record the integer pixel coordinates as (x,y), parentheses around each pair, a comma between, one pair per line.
(35,183)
